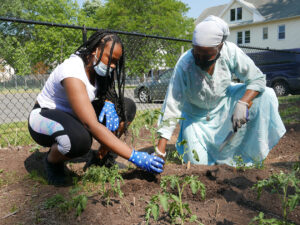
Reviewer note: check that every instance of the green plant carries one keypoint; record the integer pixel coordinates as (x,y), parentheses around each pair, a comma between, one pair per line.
(172,203)
(175,156)
(109,178)
(34,148)
(279,183)
(77,202)
(54,201)
(260,220)
(34,175)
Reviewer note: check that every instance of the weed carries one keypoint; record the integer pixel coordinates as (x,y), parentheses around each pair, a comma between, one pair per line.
(173,204)
(34,175)
(34,148)
(78,202)
(279,183)
(14,208)
(54,201)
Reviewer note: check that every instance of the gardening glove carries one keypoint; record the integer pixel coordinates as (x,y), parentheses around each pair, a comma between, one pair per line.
(112,119)
(147,162)
(240,115)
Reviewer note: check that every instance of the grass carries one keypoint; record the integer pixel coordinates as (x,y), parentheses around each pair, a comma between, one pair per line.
(14,134)
(290,114)
(34,175)
(8,177)
(288,99)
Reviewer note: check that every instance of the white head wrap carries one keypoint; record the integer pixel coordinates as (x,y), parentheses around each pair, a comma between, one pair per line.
(210,32)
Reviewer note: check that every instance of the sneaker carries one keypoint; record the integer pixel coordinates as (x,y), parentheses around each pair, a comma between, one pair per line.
(108,161)
(55,172)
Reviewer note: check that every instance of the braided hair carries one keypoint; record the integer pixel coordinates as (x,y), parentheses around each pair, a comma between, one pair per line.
(106,85)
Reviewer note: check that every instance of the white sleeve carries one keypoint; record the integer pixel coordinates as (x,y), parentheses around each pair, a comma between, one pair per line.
(173,103)
(245,69)
(72,67)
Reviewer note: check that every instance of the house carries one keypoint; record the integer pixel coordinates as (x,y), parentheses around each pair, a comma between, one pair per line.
(6,71)
(273,24)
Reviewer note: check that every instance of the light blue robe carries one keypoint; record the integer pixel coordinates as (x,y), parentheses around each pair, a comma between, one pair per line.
(193,93)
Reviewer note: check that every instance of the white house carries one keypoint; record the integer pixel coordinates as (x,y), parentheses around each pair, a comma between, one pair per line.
(271,24)
(6,71)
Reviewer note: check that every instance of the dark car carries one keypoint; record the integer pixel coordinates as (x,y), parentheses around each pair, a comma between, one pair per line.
(154,90)
(282,70)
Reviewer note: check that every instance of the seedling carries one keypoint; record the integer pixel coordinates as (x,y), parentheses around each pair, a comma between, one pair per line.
(173,204)
(103,175)
(175,155)
(260,220)
(279,183)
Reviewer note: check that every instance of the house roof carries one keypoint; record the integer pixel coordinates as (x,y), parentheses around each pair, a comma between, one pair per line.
(269,9)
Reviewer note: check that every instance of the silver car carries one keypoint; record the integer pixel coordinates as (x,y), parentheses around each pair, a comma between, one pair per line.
(154,90)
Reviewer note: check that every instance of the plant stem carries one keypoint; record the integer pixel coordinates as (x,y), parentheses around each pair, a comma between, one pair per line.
(180,203)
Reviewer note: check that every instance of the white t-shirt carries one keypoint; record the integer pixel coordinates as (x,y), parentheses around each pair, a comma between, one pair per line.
(53,95)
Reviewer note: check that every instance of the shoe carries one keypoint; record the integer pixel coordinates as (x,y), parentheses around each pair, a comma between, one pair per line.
(55,172)
(108,161)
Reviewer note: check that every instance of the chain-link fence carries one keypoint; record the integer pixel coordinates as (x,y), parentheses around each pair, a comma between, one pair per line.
(28,53)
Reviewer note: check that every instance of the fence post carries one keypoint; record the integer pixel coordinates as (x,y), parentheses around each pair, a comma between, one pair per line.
(84,38)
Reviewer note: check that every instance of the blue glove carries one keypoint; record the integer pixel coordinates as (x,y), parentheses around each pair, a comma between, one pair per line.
(151,163)
(112,119)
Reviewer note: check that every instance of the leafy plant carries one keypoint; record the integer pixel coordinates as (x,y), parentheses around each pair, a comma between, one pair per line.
(77,202)
(279,183)
(260,220)
(174,155)
(172,203)
(109,178)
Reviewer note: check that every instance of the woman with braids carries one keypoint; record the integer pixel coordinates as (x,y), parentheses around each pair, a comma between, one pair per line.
(64,118)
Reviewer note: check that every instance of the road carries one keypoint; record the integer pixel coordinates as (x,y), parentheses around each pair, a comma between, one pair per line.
(16,107)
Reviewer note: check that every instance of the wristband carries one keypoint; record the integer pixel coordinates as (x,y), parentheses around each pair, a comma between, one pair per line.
(159,152)
(244,103)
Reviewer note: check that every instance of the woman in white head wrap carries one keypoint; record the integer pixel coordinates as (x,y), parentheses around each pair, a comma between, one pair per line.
(212,106)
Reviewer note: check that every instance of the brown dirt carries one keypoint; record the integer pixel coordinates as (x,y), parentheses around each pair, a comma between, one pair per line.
(229,197)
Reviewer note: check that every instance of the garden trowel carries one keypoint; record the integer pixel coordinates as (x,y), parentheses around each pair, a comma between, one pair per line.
(227,139)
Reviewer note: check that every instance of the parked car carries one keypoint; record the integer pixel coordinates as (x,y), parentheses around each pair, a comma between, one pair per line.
(282,70)
(154,90)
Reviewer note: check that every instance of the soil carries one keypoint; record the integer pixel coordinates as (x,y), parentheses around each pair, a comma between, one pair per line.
(229,197)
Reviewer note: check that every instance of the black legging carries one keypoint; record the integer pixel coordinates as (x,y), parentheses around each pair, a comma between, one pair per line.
(49,126)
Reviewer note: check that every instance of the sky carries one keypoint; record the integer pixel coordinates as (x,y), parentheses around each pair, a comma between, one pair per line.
(196,6)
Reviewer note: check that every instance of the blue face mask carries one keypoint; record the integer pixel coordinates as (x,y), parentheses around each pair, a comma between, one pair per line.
(101,68)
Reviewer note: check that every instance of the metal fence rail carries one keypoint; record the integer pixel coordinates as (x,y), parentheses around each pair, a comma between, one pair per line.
(24,70)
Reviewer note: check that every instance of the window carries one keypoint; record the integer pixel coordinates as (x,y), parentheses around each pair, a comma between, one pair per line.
(236,14)
(239,38)
(239,13)
(281,32)
(243,37)
(265,33)
(247,36)
(232,15)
